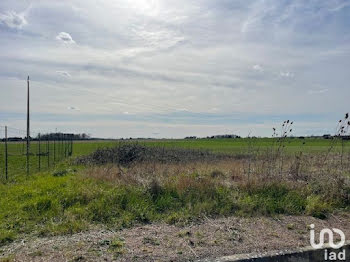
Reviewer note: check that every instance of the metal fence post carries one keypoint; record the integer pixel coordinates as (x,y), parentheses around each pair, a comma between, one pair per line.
(6,155)
(28,126)
(71,146)
(54,150)
(48,151)
(62,152)
(65,145)
(39,149)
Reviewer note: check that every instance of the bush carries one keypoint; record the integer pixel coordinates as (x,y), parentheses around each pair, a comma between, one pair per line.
(316,207)
(272,199)
(6,237)
(126,154)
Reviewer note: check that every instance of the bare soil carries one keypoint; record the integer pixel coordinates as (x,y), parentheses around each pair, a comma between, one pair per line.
(210,238)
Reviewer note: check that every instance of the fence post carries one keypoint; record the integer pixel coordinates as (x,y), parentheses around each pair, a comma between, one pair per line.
(65,145)
(71,146)
(28,126)
(61,147)
(39,149)
(6,155)
(48,151)
(54,150)
(27,153)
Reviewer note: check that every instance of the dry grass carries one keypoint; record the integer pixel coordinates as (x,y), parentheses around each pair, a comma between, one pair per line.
(306,173)
(224,171)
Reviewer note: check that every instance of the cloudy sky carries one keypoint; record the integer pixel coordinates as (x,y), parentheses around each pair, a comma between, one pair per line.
(121,68)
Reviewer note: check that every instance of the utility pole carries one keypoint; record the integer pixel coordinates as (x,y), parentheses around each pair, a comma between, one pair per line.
(28,126)
(6,154)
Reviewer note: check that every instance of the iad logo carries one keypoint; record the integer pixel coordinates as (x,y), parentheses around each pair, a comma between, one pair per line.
(329,255)
(330,237)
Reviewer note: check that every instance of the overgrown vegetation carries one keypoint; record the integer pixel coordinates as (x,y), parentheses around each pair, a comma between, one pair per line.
(127,154)
(51,204)
(133,183)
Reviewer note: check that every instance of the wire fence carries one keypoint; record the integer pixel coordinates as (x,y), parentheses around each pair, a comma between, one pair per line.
(44,151)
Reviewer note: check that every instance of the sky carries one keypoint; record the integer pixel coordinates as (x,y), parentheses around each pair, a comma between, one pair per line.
(149,68)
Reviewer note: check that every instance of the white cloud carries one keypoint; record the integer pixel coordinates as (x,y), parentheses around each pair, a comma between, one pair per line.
(64,73)
(65,38)
(161,39)
(73,108)
(286,74)
(258,68)
(12,19)
(340,6)
(317,91)
(177,58)
(182,110)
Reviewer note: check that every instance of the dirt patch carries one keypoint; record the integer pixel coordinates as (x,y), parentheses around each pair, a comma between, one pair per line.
(210,238)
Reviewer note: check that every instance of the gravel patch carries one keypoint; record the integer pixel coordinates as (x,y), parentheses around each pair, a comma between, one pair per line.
(210,238)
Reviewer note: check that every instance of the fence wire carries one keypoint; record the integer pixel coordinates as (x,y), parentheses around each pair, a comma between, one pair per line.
(44,152)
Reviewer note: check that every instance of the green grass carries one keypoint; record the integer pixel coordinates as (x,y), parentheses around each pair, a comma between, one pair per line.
(17,157)
(62,201)
(47,204)
(50,154)
(230,146)
(237,146)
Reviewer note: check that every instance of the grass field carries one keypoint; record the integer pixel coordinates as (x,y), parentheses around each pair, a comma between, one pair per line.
(237,146)
(17,150)
(71,196)
(41,157)
(230,146)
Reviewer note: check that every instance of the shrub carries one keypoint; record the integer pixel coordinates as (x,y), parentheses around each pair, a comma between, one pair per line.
(60,173)
(217,173)
(117,246)
(316,207)
(272,199)
(6,237)
(126,154)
